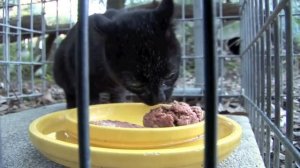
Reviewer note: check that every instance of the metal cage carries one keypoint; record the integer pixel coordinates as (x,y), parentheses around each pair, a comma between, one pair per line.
(269,85)
(265,70)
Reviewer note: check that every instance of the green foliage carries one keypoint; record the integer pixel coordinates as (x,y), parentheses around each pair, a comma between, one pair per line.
(230,30)
(24,70)
(13,56)
(231,64)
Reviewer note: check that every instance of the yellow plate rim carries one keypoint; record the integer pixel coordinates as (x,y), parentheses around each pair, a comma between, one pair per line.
(33,130)
(128,158)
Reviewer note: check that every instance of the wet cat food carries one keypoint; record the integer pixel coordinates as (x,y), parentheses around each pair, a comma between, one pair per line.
(175,114)
(111,123)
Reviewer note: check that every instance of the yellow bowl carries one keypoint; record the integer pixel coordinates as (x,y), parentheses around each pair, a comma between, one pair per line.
(116,137)
(48,134)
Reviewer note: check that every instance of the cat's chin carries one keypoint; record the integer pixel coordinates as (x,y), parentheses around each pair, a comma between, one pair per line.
(155,99)
(152,103)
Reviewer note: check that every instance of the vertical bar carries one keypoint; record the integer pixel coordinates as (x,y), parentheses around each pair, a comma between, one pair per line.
(198,34)
(257,74)
(242,35)
(3,53)
(31,46)
(262,81)
(6,52)
(255,68)
(257,91)
(183,32)
(258,121)
(82,70)
(245,57)
(269,86)
(3,31)
(254,84)
(255,77)
(248,14)
(19,47)
(248,56)
(289,80)
(252,68)
(242,29)
(210,84)
(220,60)
(6,48)
(57,19)
(242,70)
(43,54)
(277,87)
(251,76)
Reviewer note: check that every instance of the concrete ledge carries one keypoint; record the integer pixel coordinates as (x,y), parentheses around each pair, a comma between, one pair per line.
(18,152)
(247,154)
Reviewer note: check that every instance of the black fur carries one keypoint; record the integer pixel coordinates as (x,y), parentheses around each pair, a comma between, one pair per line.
(135,51)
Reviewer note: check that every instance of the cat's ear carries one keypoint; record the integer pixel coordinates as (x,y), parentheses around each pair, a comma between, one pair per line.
(103,24)
(164,13)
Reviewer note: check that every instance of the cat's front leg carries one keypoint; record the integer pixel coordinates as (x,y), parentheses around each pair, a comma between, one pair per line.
(94,98)
(71,100)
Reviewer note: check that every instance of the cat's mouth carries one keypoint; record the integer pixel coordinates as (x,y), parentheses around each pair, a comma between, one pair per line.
(153,99)
(151,103)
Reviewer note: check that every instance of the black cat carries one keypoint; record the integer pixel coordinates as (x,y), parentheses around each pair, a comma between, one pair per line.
(135,51)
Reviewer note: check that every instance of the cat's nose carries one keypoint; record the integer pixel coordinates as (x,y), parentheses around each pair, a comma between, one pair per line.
(161,96)
(154,99)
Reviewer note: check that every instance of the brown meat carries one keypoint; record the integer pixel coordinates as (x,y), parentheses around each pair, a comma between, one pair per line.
(159,117)
(199,112)
(177,114)
(111,123)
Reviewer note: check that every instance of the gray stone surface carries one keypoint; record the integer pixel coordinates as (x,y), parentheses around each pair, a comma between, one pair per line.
(18,152)
(247,155)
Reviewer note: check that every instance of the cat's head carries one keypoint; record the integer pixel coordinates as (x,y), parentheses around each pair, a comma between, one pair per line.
(143,53)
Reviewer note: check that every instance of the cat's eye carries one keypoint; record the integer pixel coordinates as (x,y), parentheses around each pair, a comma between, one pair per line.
(136,85)
(170,76)
(131,81)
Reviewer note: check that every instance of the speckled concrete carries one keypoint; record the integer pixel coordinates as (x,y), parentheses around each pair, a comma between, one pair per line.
(247,155)
(18,152)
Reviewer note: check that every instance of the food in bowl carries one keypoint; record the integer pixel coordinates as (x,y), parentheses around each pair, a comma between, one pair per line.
(111,123)
(175,114)
(169,115)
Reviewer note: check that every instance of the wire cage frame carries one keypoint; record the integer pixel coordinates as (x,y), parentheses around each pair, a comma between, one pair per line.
(265,71)
(268,62)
